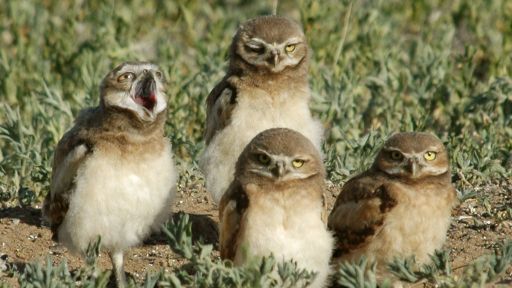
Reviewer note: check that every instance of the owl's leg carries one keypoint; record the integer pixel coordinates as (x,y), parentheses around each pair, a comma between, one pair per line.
(117,263)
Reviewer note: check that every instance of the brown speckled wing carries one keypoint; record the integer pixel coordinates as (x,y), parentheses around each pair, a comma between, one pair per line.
(232,208)
(359,212)
(71,151)
(220,104)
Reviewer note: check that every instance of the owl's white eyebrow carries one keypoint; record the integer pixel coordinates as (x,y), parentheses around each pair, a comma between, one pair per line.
(132,69)
(391,149)
(432,148)
(294,40)
(258,40)
(261,151)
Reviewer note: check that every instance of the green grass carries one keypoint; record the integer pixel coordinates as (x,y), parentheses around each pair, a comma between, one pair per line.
(377,67)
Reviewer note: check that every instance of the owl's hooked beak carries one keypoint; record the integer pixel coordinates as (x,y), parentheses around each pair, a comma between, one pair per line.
(413,167)
(278,169)
(275,56)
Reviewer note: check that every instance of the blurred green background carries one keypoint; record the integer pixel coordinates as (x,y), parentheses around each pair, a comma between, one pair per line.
(377,67)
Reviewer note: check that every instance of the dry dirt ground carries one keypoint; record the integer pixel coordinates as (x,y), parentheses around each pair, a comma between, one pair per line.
(478,225)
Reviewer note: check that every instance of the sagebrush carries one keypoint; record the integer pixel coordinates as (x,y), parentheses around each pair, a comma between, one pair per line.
(377,67)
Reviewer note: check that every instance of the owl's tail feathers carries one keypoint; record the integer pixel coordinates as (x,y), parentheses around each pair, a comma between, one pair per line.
(53,214)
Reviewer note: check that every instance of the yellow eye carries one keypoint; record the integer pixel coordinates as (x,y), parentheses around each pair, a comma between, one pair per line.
(297,163)
(395,155)
(264,159)
(430,155)
(125,77)
(290,48)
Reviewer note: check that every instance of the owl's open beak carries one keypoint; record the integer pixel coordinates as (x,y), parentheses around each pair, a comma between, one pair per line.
(278,169)
(145,94)
(149,86)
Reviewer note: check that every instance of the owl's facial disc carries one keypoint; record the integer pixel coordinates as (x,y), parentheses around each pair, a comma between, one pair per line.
(412,165)
(137,87)
(272,56)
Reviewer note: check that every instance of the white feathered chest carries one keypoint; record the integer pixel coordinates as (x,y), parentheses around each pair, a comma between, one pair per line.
(288,226)
(256,110)
(120,196)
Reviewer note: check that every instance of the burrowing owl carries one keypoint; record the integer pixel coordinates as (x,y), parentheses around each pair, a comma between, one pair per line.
(113,172)
(266,86)
(401,206)
(275,204)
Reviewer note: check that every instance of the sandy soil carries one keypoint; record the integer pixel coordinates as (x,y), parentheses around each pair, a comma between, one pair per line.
(476,229)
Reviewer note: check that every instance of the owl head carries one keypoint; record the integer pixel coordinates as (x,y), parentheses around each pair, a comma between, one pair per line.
(136,87)
(413,156)
(269,44)
(279,155)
